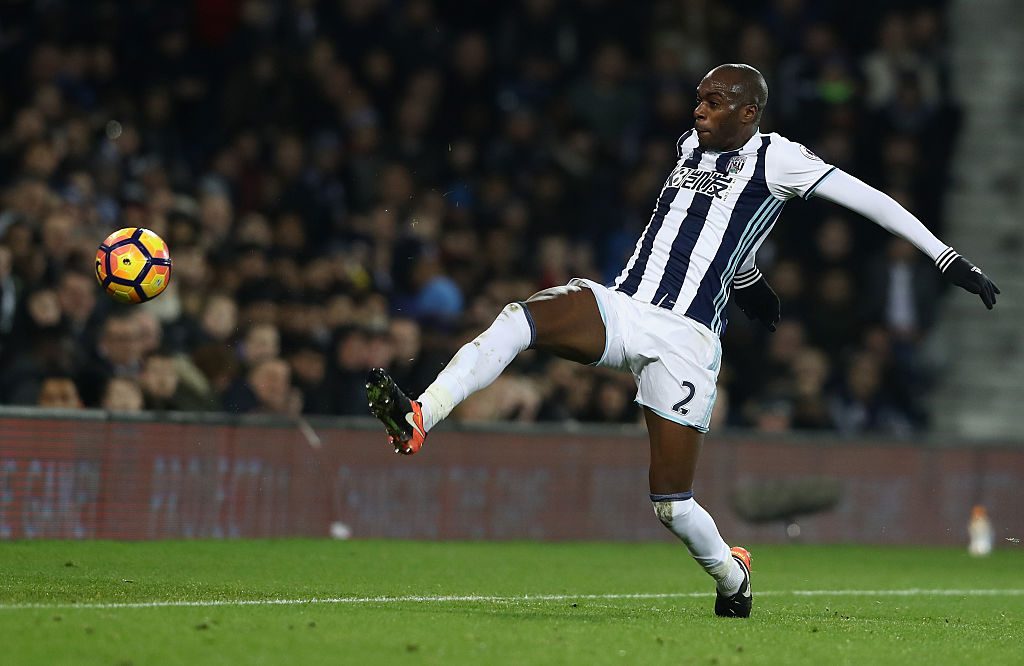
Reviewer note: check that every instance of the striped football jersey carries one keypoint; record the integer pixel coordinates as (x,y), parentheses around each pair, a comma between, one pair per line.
(712,215)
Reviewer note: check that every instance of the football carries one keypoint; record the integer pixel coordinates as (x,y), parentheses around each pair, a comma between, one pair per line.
(133,265)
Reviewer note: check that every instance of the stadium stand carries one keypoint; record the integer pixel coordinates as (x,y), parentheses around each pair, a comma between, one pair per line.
(364,183)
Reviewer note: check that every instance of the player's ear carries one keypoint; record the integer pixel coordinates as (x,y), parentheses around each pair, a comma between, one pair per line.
(749,113)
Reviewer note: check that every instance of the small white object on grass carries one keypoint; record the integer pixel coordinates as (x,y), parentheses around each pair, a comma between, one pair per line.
(340,530)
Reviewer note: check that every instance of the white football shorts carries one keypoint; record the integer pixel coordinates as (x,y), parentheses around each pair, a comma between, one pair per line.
(674,359)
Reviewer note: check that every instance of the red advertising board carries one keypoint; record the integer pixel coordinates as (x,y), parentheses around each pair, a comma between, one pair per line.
(87,478)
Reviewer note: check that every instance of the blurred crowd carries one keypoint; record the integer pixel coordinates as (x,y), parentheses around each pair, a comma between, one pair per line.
(354,183)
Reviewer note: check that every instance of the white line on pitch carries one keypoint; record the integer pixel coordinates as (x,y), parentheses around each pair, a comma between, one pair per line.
(911,592)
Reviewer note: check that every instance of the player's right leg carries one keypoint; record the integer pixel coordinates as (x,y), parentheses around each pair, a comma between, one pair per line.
(565,321)
(402,417)
(675,449)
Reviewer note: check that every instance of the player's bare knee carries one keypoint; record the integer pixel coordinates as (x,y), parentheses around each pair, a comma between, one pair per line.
(568,323)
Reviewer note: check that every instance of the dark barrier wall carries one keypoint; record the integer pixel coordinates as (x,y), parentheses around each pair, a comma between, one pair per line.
(97,478)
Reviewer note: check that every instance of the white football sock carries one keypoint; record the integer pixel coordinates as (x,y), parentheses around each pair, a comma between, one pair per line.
(695,526)
(478,363)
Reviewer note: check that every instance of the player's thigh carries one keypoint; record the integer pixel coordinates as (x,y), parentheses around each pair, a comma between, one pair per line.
(675,449)
(568,323)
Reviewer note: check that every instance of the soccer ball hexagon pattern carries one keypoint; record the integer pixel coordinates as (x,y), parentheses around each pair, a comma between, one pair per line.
(133,265)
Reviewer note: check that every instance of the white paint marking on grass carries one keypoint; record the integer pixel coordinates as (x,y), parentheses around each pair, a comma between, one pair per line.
(442,599)
(912,592)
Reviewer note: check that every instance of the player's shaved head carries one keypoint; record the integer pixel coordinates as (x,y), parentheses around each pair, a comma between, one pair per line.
(745,83)
(730,101)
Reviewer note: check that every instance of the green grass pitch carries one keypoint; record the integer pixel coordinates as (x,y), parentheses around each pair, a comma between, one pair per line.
(395,602)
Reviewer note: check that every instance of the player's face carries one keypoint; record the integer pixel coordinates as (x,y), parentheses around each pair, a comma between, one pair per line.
(719,115)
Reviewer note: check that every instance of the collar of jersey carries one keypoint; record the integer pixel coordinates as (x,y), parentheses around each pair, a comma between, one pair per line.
(752,145)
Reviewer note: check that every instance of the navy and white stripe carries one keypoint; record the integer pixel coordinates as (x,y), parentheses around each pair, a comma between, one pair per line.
(637,265)
(690,228)
(629,282)
(755,233)
(714,212)
(671,283)
(750,219)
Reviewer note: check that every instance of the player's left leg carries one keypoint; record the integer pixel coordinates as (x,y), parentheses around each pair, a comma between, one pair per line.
(675,449)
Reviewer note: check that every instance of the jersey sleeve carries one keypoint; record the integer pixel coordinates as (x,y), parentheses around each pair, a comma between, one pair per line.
(852,193)
(792,170)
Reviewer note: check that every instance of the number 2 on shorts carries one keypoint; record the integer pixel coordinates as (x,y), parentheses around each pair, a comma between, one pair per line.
(680,407)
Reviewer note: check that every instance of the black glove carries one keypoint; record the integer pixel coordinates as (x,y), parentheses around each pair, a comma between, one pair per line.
(756,299)
(967,276)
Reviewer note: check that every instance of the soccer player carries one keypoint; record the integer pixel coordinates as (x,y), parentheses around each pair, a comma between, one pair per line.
(662,317)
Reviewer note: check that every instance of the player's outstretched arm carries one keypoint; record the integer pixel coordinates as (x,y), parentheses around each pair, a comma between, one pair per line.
(849,192)
(756,298)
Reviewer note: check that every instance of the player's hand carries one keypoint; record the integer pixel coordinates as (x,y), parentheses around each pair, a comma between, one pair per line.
(967,276)
(758,301)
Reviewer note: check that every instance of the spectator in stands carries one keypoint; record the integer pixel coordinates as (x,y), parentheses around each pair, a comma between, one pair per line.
(9,297)
(859,405)
(811,372)
(412,362)
(59,392)
(76,293)
(219,320)
(613,402)
(149,330)
(438,298)
(261,343)
(511,397)
(346,374)
(607,100)
(895,62)
(309,373)
(118,353)
(832,321)
(122,395)
(271,383)
(163,389)
(217,365)
(901,292)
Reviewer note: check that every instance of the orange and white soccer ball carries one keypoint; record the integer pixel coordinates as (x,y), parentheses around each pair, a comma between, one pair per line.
(133,265)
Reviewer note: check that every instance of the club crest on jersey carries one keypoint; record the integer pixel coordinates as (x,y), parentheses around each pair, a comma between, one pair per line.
(807,153)
(736,164)
(711,183)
